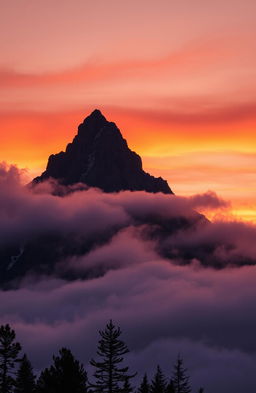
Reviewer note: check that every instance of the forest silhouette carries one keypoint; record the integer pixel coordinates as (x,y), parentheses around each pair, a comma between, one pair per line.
(68,375)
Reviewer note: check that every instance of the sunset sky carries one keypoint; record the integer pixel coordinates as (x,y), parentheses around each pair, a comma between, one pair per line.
(177,77)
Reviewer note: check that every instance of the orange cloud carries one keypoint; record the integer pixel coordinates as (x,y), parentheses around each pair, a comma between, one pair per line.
(195,113)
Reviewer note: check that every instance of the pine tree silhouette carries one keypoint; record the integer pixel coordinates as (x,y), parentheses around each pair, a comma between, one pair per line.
(45,383)
(201,390)
(25,381)
(180,379)
(170,387)
(144,386)
(64,376)
(158,384)
(109,377)
(9,351)
(127,387)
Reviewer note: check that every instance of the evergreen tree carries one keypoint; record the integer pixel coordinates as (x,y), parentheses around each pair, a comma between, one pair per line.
(108,375)
(25,381)
(9,351)
(45,383)
(64,376)
(201,390)
(127,387)
(180,379)
(144,386)
(158,384)
(170,387)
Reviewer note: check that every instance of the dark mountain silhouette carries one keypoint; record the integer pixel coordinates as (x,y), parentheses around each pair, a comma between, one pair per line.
(97,157)
(100,157)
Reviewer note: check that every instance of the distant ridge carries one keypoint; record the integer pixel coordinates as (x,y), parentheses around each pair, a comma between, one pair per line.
(100,157)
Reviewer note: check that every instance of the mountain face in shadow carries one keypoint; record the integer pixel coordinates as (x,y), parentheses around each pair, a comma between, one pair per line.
(100,157)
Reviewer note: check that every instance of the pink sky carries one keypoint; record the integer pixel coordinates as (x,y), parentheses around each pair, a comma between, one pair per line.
(178,77)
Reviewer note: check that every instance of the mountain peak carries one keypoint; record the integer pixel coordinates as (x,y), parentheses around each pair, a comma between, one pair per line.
(100,157)
(95,115)
(93,122)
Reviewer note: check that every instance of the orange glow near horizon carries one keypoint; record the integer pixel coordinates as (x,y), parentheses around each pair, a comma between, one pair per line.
(29,138)
(214,162)
(181,89)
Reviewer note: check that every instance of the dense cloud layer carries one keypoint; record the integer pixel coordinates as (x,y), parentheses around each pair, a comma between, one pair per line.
(164,309)
(206,315)
(26,212)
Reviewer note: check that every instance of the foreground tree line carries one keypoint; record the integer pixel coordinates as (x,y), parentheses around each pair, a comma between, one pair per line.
(67,375)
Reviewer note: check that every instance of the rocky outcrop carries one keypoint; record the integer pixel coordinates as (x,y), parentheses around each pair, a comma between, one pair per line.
(100,157)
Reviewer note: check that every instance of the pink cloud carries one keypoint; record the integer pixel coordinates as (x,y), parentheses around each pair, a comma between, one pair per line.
(178,61)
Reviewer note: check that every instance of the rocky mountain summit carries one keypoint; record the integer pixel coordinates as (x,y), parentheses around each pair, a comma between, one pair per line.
(97,157)
(100,157)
